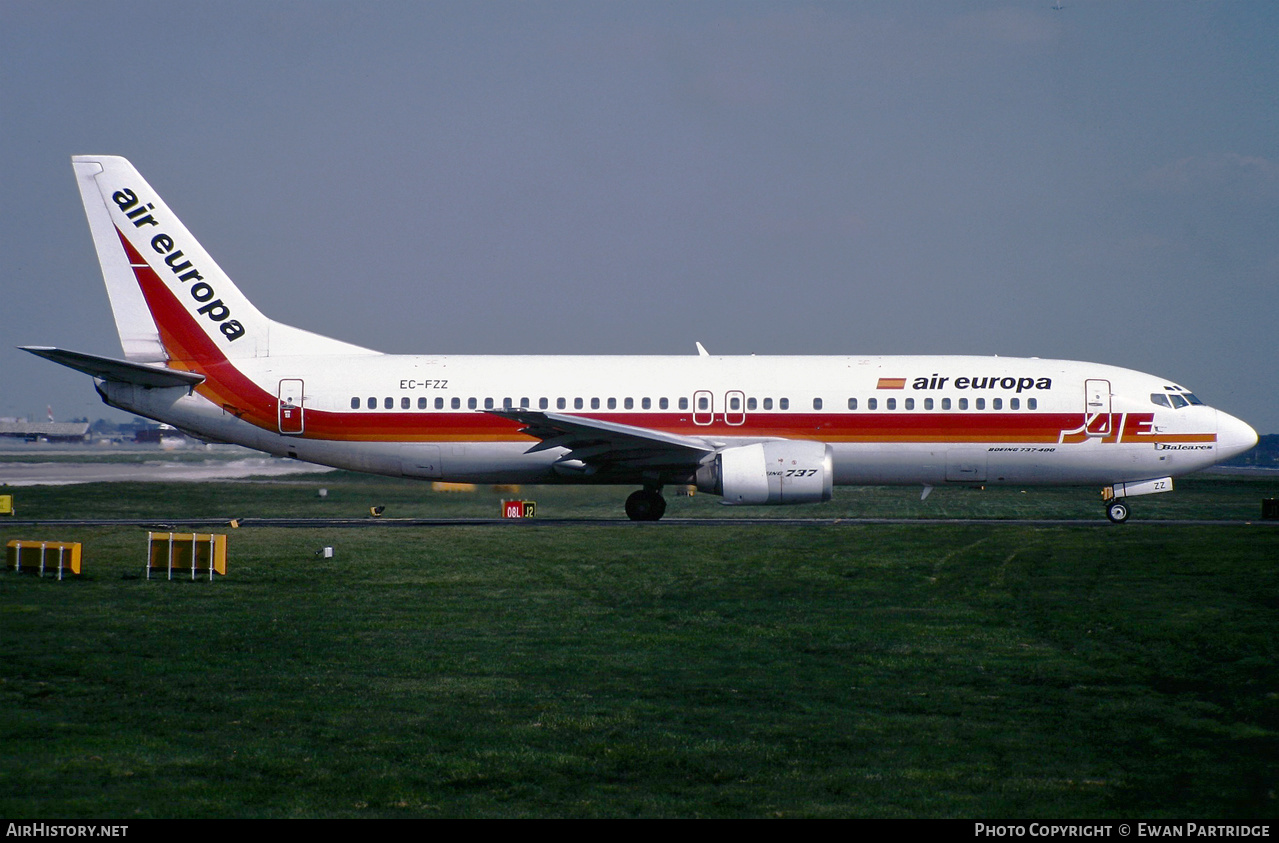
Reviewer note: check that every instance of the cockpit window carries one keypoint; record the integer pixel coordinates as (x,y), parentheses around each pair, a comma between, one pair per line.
(1174,400)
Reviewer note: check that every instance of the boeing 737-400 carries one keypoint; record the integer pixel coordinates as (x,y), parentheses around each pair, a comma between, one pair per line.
(754,430)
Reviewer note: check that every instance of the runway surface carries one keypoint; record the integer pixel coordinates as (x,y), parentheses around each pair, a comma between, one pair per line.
(150,471)
(534,523)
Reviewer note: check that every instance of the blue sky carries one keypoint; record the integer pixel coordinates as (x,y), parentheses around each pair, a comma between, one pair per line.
(1097,182)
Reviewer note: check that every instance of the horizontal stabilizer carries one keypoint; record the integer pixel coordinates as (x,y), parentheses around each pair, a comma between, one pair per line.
(120,371)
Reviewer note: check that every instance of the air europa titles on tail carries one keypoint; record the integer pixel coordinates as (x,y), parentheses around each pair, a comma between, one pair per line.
(129,204)
(755,430)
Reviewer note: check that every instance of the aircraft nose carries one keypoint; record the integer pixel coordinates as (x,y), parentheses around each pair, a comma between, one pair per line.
(1233,436)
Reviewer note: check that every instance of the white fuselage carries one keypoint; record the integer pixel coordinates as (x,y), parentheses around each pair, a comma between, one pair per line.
(889,420)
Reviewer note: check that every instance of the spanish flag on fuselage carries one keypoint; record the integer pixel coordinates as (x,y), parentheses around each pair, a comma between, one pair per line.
(891,383)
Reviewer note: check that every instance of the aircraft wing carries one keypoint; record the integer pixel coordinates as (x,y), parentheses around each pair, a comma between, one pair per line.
(608,444)
(121,371)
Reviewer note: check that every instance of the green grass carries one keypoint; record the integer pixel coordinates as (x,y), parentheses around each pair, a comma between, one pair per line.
(351,495)
(651,670)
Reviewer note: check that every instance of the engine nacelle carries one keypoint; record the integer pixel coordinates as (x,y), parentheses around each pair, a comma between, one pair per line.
(770,473)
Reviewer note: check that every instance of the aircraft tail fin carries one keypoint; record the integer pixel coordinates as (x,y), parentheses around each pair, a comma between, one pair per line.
(170,299)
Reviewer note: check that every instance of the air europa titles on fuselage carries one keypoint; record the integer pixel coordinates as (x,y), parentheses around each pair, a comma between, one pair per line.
(211,306)
(993,382)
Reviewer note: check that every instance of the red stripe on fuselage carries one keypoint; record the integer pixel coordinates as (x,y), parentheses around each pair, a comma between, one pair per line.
(941,428)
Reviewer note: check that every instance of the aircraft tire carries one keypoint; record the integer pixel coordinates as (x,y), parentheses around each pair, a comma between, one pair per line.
(1117,512)
(645,505)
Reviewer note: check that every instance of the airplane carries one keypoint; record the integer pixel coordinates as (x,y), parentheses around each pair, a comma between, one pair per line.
(755,430)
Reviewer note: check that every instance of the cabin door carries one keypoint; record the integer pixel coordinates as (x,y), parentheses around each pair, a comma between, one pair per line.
(1097,407)
(289,408)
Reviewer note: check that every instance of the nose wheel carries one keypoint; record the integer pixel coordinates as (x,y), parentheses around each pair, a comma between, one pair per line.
(1117,511)
(645,505)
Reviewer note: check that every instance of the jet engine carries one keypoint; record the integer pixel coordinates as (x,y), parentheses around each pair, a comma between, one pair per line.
(783,471)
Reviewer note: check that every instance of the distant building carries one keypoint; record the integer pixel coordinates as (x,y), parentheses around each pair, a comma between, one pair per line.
(46,431)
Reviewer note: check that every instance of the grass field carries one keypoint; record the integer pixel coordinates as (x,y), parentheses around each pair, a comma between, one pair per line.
(648,670)
(1236,498)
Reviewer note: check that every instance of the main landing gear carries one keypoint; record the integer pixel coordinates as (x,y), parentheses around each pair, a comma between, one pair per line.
(1117,511)
(645,505)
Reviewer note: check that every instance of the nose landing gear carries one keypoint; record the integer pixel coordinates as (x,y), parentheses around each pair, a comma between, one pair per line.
(1117,511)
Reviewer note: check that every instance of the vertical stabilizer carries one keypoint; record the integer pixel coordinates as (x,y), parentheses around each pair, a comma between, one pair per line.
(138,333)
(171,300)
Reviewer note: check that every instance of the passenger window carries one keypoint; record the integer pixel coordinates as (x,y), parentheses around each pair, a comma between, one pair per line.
(471,403)
(404,403)
(703,403)
(577,403)
(871,403)
(735,403)
(595,403)
(768,403)
(783,403)
(928,403)
(355,403)
(388,403)
(371,404)
(910,403)
(525,403)
(945,403)
(488,403)
(421,403)
(963,403)
(890,404)
(612,403)
(543,403)
(997,404)
(561,404)
(1014,403)
(981,403)
(457,403)
(439,403)
(750,403)
(852,403)
(628,404)
(1031,404)
(663,403)
(683,403)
